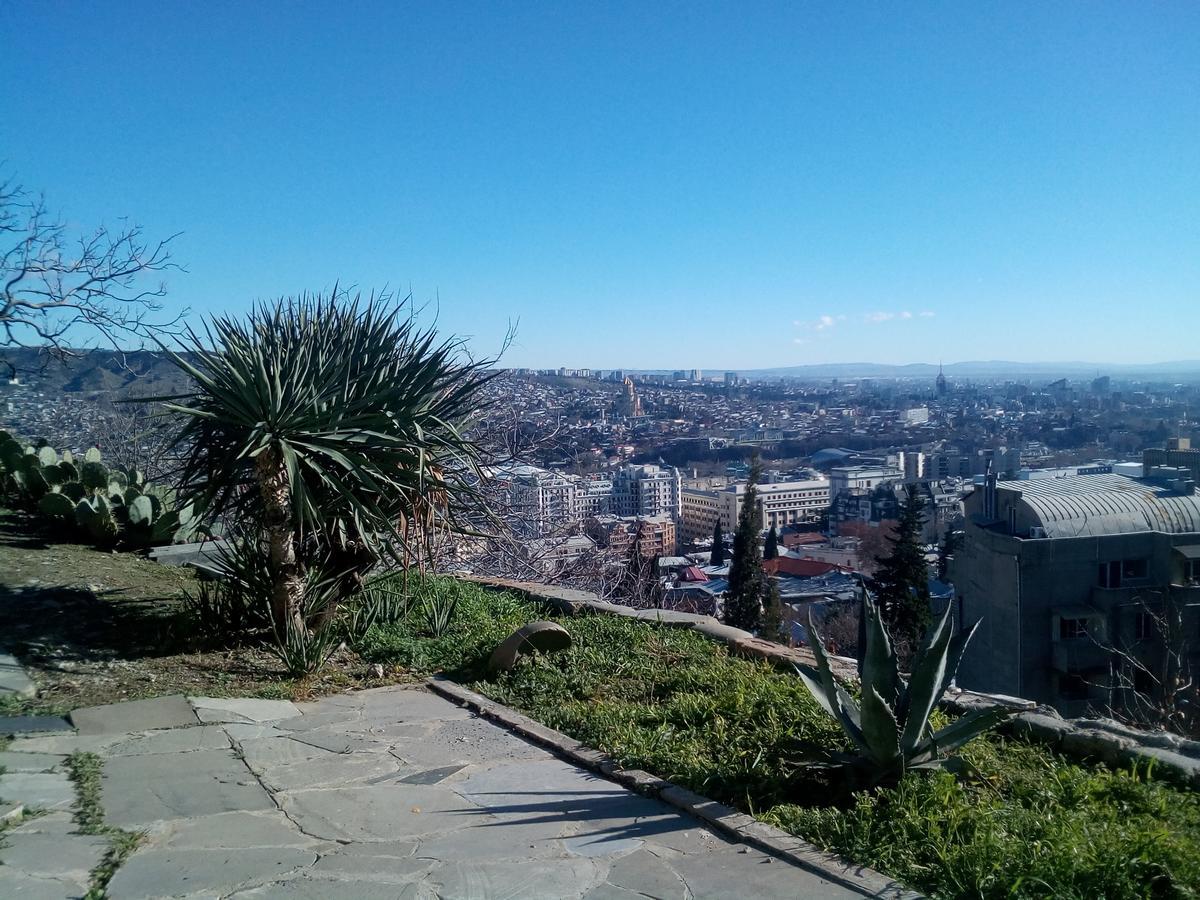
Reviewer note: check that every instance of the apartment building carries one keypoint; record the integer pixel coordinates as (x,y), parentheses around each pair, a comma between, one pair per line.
(1065,571)
(861,478)
(653,536)
(647,491)
(784,503)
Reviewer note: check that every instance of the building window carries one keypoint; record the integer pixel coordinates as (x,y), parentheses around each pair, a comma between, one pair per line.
(1072,629)
(1072,686)
(1145,627)
(1133,569)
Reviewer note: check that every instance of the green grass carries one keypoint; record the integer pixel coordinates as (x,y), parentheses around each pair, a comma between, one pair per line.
(84,769)
(676,704)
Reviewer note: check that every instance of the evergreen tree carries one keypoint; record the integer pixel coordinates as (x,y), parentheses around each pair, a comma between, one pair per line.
(718,547)
(902,579)
(950,543)
(747,582)
(771,549)
(773,628)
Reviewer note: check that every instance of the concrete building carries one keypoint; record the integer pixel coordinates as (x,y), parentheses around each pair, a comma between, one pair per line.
(1063,570)
(653,536)
(853,478)
(784,503)
(535,501)
(1177,454)
(647,491)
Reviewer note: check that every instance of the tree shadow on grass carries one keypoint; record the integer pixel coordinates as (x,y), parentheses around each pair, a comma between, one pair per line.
(48,625)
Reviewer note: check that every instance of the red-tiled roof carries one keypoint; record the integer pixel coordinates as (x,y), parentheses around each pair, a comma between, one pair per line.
(692,573)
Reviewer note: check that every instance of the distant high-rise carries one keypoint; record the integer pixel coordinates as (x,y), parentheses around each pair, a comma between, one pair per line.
(941,382)
(696,375)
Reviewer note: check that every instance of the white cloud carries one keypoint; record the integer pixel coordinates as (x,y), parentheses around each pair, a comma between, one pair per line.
(876,317)
(906,315)
(926,314)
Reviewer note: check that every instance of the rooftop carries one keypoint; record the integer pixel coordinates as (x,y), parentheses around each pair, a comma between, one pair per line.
(1089,505)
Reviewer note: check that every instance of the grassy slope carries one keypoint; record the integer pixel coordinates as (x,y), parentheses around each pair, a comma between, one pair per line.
(674,703)
(98,627)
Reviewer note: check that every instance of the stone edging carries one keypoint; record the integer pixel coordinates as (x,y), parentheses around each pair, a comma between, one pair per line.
(1103,739)
(722,818)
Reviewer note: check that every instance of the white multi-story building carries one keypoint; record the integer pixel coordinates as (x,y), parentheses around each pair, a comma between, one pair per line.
(853,478)
(647,491)
(783,503)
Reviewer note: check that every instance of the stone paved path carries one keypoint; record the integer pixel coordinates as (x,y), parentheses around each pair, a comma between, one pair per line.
(389,793)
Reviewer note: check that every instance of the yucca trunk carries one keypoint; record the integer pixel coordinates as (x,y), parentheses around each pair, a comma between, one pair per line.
(287,591)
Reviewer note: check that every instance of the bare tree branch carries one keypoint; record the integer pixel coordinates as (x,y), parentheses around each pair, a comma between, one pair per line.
(59,292)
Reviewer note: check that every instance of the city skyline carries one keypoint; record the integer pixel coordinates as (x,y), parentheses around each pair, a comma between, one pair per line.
(771,186)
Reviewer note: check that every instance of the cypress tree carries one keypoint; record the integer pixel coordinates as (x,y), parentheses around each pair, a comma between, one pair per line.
(771,549)
(747,582)
(718,546)
(773,628)
(902,579)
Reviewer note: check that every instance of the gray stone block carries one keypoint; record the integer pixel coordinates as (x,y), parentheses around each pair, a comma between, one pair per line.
(38,790)
(152,874)
(134,715)
(385,812)
(245,710)
(30,762)
(172,740)
(14,679)
(139,790)
(61,857)
(18,725)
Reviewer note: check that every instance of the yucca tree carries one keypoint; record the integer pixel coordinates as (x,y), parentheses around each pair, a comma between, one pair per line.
(890,728)
(334,424)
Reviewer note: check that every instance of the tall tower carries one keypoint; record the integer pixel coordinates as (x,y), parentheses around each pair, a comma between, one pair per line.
(941,381)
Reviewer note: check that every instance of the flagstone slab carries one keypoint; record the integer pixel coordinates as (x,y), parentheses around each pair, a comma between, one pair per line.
(305,887)
(17,725)
(173,740)
(535,879)
(234,709)
(139,790)
(134,715)
(59,823)
(30,762)
(38,790)
(377,813)
(14,679)
(268,828)
(153,874)
(46,855)
(331,770)
(67,743)
(16,884)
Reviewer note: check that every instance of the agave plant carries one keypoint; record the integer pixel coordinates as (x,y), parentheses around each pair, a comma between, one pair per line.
(333,423)
(890,729)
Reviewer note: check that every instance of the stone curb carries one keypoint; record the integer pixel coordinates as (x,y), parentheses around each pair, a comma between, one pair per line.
(1172,757)
(722,818)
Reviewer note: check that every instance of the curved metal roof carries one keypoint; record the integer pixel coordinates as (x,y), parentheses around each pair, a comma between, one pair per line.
(1092,505)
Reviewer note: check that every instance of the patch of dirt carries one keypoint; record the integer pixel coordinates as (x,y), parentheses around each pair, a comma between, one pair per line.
(97,627)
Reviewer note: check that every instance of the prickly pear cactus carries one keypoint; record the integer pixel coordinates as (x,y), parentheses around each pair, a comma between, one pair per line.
(57,509)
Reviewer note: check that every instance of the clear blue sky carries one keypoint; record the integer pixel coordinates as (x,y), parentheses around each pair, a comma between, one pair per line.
(649,184)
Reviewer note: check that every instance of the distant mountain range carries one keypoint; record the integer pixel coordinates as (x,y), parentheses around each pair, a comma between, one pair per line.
(139,373)
(1187,369)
